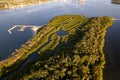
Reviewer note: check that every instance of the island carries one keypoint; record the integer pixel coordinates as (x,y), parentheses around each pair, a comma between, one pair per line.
(67,47)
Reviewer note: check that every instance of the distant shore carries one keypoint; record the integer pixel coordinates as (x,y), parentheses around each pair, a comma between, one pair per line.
(6,4)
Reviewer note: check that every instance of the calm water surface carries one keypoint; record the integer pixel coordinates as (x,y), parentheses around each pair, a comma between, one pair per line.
(41,14)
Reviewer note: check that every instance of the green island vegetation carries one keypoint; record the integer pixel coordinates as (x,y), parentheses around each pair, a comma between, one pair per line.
(6,4)
(116,1)
(75,56)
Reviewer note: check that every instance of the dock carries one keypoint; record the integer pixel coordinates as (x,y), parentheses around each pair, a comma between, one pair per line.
(23,27)
(115,19)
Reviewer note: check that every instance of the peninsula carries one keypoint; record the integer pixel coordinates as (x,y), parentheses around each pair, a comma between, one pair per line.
(77,54)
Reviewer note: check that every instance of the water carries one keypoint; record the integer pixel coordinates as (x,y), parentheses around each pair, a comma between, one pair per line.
(112,52)
(62,33)
(41,14)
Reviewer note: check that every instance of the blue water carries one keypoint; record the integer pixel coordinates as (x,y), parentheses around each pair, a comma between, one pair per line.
(62,33)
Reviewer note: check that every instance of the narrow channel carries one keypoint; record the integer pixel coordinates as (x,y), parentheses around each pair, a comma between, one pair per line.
(33,56)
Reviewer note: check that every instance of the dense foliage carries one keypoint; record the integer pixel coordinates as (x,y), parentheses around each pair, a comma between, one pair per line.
(76,56)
